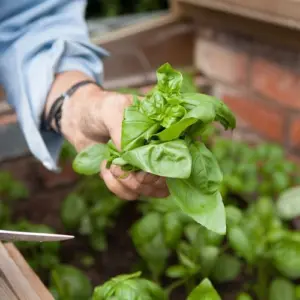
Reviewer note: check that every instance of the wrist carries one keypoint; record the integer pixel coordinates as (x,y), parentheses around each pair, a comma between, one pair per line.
(68,103)
(82,118)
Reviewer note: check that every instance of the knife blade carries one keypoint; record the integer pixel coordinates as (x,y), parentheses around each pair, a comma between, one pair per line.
(10,235)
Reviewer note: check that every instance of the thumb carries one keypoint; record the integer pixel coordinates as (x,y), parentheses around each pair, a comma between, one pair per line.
(115,121)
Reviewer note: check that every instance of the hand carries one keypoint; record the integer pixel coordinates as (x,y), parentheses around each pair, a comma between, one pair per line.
(92,116)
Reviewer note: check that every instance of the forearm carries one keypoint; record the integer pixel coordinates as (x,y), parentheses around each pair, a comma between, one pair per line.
(72,108)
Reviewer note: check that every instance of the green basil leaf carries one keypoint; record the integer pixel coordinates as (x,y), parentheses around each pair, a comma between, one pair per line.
(204,291)
(149,242)
(172,114)
(107,205)
(146,228)
(155,253)
(288,204)
(107,290)
(177,271)
(11,188)
(168,80)
(163,205)
(285,255)
(191,232)
(212,238)
(98,240)
(227,268)
(73,209)
(244,296)
(233,215)
(136,128)
(282,289)
(172,228)
(297,291)
(198,196)
(208,257)
(88,161)
(170,159)
(184,256)
(206,209)
(188,84)
(154,106)
(223,113)
(204,113)
(153,290)
(240,242)
(85,227)
(74,282)
(129,287)
(206,173)
(199,236)
(264,207)
(129,290)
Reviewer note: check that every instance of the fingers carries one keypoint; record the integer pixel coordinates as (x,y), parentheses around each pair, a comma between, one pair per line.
(130,186)
(115,186)
(118,103)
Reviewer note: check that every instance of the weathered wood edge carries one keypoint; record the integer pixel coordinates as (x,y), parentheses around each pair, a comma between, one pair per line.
(34,281)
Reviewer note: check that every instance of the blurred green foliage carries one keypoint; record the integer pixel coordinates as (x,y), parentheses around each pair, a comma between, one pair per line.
(102,8)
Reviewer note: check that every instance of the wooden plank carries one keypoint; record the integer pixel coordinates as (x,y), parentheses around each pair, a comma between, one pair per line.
(284,8)
(264,32)
(6,293)
(13,282)
(28,273)
(285,13)
(138,50)
(135,29)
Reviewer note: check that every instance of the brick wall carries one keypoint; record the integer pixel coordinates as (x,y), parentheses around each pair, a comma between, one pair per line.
(260,83)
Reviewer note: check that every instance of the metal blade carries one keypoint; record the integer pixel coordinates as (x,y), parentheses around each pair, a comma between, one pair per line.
(8,235)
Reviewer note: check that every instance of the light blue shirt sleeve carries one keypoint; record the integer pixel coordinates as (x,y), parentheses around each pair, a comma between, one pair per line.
(39,38)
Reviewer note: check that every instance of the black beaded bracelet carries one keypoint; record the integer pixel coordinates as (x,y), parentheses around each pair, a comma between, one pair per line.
(55,112)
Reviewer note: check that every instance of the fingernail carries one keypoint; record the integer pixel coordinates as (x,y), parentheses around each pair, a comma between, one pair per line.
(118,172)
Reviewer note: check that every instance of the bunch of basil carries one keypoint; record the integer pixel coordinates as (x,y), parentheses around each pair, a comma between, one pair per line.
(133,287)
(162,135)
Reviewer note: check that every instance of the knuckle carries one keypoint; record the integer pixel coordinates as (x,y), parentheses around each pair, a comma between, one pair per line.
(124,100)
(160,182)
(134,184)
(130,197)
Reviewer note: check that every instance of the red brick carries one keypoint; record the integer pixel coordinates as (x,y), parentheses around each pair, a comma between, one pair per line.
(220,62)
(294,136)
(265,120)
(276,83)
(294,158)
